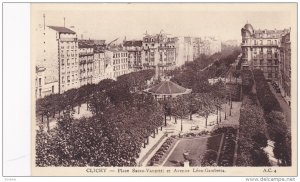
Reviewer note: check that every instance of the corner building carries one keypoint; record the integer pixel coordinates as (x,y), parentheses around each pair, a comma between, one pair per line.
(261,49)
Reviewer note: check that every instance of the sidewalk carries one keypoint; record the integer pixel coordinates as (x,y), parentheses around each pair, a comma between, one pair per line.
(286,109)
(211,120)
(150,149)
(53,121)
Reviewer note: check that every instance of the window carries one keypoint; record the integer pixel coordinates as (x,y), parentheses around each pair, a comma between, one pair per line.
(255,62)
(261,62)
(52,88)
(40,81)
(269,75)
(40,92)
(269,62)
(68,79)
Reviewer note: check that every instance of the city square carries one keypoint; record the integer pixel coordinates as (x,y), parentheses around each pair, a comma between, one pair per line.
(161,99)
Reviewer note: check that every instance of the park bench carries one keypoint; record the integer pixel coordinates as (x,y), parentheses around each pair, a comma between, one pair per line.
(167,131)
(195,127)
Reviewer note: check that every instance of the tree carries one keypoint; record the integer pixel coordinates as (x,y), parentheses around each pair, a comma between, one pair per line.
(180,108)
(99,103)
(192,102)
(276,124)
(236,74)
(279,133)
(260,139)
(206,105)
(260,158)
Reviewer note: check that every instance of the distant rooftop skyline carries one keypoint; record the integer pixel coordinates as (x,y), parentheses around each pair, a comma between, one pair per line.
(114,20)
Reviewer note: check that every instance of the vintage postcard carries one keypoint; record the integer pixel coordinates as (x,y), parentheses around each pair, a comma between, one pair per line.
(164,89)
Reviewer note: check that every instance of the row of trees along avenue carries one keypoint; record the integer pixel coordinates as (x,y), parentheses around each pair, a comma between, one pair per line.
(122,119)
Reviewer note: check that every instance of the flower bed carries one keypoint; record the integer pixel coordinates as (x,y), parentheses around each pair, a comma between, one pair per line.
(168,144)
(227,151)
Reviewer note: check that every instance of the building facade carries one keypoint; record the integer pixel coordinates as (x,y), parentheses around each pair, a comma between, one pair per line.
(99,66)
(260,50)
(285,65)
(57,52)
(209,45)
(86,63)
(134,49)
(184,50)
(44,85)
(159,50)
(118,60)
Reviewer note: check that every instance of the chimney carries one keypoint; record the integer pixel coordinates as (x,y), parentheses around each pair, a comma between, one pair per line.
(64,22)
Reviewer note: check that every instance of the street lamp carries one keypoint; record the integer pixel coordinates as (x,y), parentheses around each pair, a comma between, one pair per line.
(230,103)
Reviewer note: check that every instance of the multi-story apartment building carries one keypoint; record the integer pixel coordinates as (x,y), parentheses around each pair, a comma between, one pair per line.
(285,65)
(184,50)
(57,52)
(134,49)
(260,50)
(210,45)
(86,63)
(44,85)
(196,47)
(159,50)
(118,60)
(99,66)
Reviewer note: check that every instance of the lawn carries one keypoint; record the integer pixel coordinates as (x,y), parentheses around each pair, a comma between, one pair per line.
(195,146)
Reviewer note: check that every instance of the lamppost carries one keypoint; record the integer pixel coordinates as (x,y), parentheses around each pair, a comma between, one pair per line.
(230,103)
(225,109)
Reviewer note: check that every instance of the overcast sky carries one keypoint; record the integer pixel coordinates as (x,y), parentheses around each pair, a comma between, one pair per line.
(110,21)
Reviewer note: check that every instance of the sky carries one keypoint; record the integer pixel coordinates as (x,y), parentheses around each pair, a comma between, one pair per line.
(111,20)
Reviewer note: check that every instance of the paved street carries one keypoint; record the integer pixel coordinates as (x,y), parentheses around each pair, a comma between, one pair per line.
(284,106)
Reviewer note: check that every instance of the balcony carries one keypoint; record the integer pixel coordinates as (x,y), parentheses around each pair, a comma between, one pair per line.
(82,62)
(68,39)
(86,54)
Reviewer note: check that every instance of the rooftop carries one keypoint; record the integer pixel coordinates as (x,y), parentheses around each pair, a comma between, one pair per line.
(168,88)
(138,43)
(84,45)
(62,29)
(116,50)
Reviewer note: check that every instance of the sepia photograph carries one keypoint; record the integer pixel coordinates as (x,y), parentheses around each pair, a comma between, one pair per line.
(164,89)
